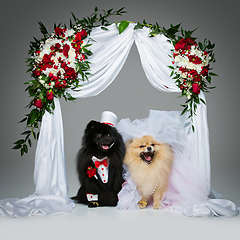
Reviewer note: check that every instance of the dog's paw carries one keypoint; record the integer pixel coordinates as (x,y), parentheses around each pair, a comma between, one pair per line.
(157,206)
(142,204)
(93,204)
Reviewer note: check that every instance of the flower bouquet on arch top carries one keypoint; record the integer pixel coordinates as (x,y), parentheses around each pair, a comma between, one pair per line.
(191,70)
(191,64)
(58,62)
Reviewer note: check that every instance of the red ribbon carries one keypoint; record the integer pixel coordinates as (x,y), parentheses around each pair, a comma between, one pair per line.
(108,123)
(104,162)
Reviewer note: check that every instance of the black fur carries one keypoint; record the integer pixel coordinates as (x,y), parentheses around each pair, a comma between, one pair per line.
(95,135)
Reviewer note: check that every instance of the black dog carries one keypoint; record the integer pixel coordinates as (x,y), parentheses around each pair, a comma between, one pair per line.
(100,184)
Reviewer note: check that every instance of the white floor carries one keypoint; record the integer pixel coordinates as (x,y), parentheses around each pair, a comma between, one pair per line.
(110,223)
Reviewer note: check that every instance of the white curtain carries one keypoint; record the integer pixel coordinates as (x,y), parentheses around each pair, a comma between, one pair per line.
(110,52)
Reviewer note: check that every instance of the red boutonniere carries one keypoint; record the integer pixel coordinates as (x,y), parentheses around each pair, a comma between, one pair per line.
(91,172)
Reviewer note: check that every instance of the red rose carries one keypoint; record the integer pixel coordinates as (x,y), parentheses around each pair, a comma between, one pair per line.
(37,72)
(91,172)
(181,44)
(65,50)
(204,71)
(50,95)
(78,37)
(70,73)
(184,44)
(195,88)
(64,84)
(83,33)
(60,31)
(193,73)
(58,85)
(38,103)
(197,79)
(195,59)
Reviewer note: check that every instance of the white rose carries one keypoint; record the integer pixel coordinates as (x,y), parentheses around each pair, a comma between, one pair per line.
(42,82)
(191,65)
(71,53)
(184,61)
(69,33)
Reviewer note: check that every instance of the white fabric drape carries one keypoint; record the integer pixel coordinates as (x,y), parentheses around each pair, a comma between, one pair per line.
(110,52)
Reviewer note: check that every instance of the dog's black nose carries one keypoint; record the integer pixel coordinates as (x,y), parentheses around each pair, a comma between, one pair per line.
(149,149)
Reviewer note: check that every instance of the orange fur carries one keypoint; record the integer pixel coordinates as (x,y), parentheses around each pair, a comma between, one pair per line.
(151,179)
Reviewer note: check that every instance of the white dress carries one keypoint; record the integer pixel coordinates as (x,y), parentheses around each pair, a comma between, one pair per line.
(188,188)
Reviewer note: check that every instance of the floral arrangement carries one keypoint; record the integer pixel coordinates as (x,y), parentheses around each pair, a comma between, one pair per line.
(58,61)
(191,64)
(191,71)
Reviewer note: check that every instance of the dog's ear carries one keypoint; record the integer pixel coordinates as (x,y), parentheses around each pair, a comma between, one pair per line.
(92,124)
(128,142)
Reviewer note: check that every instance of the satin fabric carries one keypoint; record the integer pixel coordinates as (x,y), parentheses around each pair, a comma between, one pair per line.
(110,53)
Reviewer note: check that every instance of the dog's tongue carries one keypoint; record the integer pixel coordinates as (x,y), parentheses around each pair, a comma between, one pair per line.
(105,147)
(148,158)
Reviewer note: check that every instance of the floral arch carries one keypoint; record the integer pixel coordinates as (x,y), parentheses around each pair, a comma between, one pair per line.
(110,50)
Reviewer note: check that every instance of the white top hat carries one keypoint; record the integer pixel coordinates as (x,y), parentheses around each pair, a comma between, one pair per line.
(109,118)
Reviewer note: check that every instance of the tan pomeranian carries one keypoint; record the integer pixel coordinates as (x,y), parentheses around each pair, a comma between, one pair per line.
(150,164)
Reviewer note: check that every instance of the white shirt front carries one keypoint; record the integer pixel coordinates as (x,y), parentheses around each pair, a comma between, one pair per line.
(102,170)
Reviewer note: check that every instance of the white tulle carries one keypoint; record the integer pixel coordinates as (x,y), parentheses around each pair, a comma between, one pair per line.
(110,50)
(188,189)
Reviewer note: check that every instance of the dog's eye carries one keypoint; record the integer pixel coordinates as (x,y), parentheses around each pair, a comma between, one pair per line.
(142,146)
(99,135)
(109,135)
(152,144)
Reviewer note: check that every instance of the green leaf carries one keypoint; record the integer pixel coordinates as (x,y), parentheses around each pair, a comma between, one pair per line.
(203,101)
(26,133)
(22,151)
(104,28)
(32,116)
(29,142)
(122,26)
(19,142)
(23,120)
(34,134)
(193,128)
(184,110)
(201,46)
(43,28)
(213,74)
(32,91)
(209,79)
(138,26)
(17,147)
(25,148)
(75,19)
(40,96)
(36,85)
